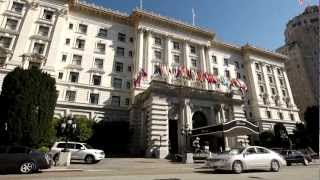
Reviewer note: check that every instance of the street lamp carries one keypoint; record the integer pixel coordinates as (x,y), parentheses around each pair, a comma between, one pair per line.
(67,129)
(186,131)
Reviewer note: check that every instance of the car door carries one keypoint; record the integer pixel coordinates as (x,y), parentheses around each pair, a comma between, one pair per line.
(79,151)
(3,157)
(251,158)
(72,149)
(263,157)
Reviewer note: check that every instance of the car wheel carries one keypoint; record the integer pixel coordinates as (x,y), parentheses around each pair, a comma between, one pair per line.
(27,167)
(305,162)
(89,159)
(237,167)
(275,166)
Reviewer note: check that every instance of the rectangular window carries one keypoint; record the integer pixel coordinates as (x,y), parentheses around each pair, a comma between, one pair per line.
(129,68)
(130,54)
(117,83)
(70,96)
(2,61)
(259,77)
(214,59)
(120,51)
(96,80)
(284,93)
(131,40)
(238,75)
(83,28)
(216,71)
(119,67)
(5,42)
(226,61)
(193,49)
(261,89)
(103,33)
(292,117)
(264,100)
(64,58)
(127,101)
(227,74)
(80,43)
(11,24)
(38,48)
(157,54)
(94,98)
(280,115)
(281,82)
(157,41)
(176,45)
(70,26)
(194,62)
(68,41)
(121,37)
(17,7)
(279,72)
(237,64)
(101,47)
(273,90)
(74,77)
(76,60)
(60,76)
(257,66)
(115,101)
(128,85)
(268,114)
(98,63)
(268,69)
(176,59)
(34,65)
(47,15)
(43,31)
(271,79)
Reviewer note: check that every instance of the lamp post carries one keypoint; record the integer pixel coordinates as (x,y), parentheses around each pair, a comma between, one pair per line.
(186,131)
(68,128)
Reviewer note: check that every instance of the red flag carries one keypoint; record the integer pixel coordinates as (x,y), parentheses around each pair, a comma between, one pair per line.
(301,2)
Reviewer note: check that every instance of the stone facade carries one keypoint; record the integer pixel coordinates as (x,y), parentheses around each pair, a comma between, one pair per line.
(164,76)
(302,48)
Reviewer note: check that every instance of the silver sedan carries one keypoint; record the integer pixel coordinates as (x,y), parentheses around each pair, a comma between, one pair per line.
(251,157)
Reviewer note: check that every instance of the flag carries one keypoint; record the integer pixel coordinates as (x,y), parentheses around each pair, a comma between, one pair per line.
(301,2)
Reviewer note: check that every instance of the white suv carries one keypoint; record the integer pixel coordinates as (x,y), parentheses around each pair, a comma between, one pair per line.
(79,151)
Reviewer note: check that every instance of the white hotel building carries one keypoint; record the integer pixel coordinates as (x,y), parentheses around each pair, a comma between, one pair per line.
(96,54)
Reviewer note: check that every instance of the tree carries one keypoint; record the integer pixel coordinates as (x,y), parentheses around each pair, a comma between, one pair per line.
(281,137)
(83,131)
(28,99)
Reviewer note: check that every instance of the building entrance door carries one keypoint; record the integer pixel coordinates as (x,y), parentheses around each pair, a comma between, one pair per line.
(173,136)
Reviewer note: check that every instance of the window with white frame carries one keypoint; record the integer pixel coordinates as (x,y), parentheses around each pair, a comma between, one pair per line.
(119,67)
(94,98)
(194,62)
(192,49)
(120,51)
(83,28)
(101,47)
(103,33)
(227,74)
(215,71)
(117,83)
(74,77)
(98,63)
(176,59)
(157,54)
(47,15)
(237,64)
(280,115)
(5,41)
(238,75)
(257,66)
(127,101)
(130,53)
(38,48)
(273,91)
(96,80)
(121,37)
(70,26)
(261,88)
(115,101)
(291,117)
(80,43)
(214,59)
(284,93)
(2,61)
(176,45)
(268,114)
(271,80)
(70,96)
(43,30)
(76,60)
(128,85)
(68,41)
(226,61)
(34,65)
(60,75)
(157,41)
(64,58)
(11,24)
(17,7)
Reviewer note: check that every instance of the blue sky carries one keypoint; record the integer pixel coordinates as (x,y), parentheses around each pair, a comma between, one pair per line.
(257,22)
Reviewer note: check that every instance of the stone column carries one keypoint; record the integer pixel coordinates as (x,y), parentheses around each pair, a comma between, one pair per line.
(168,57)
(149,55)
(278,86)
(186,61)
(288,88)
(226,143)
(139,51)
(265,77)
(203,63)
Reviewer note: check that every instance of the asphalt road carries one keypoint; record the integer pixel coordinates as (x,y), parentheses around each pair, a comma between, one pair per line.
(148,169)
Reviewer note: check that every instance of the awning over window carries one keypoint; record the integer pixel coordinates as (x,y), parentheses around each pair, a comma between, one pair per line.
(231,128)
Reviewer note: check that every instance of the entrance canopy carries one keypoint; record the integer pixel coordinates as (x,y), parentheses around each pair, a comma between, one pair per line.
(231,128)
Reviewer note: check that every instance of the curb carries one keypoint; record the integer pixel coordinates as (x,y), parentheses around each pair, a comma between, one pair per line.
(61,170)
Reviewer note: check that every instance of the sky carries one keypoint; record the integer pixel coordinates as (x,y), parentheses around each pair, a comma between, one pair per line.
(258,22)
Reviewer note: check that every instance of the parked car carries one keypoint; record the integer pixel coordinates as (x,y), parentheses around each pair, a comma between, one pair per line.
(294,156)
(22,159)
(247,158)
(79,151)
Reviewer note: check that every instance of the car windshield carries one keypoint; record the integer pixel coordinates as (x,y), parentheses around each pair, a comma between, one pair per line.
(234,151)
(88,146)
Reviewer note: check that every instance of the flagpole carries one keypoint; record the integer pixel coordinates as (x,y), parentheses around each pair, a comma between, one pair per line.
(193,15)
(141,4)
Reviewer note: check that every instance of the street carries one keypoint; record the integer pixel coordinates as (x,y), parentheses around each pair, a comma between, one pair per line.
(153,169)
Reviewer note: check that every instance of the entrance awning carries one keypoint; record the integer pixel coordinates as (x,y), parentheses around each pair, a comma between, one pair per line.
(231,128)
